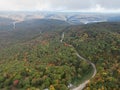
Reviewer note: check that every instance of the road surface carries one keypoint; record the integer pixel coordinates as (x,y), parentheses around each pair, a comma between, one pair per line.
(14,24)
(83,85)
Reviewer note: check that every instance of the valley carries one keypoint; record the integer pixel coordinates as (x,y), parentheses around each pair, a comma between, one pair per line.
(54,52)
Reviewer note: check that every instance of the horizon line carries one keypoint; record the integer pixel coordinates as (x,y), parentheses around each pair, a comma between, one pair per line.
(60,11)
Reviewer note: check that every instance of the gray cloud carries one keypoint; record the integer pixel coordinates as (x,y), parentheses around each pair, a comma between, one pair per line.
(66,5)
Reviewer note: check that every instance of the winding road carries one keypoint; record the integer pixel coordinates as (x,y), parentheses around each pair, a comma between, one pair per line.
(62,37)
(14,24)
(83,85)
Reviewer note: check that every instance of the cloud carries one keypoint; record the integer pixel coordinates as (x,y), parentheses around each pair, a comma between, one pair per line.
(61,5)
(97,8)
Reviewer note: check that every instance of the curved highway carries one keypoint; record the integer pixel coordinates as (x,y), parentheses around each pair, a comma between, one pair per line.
(83,85)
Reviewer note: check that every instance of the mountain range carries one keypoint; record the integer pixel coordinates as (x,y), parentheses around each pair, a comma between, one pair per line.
(69,17)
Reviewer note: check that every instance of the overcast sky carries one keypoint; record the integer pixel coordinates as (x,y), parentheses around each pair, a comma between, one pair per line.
(61,5)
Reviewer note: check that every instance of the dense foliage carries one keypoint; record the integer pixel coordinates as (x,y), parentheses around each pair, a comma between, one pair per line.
(40,62)
(35,59)
(99,43)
